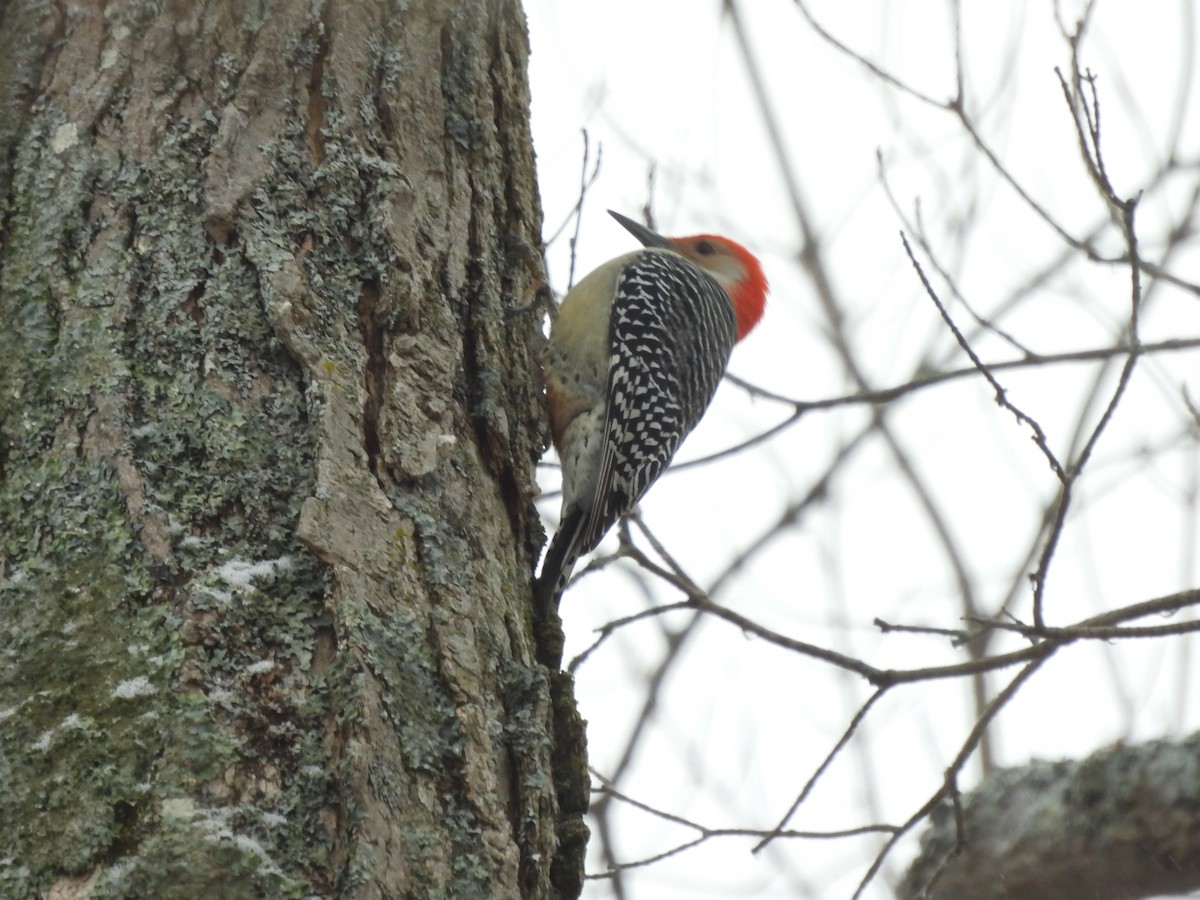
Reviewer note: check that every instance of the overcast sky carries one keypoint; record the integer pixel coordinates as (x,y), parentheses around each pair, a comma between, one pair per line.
(739,725)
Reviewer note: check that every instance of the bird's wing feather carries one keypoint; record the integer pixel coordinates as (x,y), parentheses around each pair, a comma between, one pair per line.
(672,329)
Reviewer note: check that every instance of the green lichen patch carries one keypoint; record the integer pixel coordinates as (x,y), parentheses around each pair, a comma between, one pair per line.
(83,674)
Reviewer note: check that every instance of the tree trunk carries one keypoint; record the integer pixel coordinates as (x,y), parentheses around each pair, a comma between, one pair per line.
(268,428)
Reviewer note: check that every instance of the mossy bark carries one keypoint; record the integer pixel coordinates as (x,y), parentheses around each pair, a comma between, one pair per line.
(268,428)
(1118,825)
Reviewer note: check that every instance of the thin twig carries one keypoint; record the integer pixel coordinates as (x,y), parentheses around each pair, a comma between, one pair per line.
(1039,435)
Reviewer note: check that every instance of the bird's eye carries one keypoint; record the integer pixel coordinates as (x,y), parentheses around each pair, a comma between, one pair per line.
(705,248)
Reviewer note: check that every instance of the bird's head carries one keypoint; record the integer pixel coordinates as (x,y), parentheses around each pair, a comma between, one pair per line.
(734,267)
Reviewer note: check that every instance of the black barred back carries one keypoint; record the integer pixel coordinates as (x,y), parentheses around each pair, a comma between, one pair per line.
(672,330)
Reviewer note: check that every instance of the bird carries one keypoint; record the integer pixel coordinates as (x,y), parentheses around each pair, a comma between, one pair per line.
(632,361)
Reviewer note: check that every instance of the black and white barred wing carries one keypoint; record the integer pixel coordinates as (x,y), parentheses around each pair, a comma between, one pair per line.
(672,330)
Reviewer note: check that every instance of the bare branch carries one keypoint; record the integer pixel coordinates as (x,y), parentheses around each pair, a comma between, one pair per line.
(1039,435)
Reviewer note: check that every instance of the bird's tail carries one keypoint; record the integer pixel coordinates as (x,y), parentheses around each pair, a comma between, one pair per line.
(560,560)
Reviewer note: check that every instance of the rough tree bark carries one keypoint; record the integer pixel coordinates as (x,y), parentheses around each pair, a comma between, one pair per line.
(268,428)
(1119,825)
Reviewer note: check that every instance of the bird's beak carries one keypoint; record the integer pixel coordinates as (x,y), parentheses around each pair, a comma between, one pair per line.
(642,233)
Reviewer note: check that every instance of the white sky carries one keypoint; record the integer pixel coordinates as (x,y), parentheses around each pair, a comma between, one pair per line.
(741,725)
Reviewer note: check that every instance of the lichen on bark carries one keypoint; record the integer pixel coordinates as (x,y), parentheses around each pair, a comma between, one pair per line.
(267,436)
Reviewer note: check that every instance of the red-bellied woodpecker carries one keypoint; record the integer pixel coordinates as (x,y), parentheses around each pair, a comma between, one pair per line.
(633,361)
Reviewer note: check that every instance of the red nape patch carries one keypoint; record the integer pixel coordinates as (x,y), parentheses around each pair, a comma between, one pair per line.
(749,294)
(749,297)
